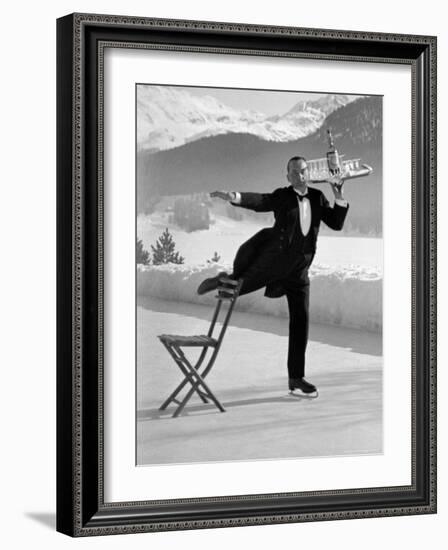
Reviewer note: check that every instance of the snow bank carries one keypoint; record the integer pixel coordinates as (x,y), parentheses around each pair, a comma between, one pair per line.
(346,297)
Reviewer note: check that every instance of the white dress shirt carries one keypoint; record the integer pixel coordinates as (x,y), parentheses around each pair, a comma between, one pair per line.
(305,213)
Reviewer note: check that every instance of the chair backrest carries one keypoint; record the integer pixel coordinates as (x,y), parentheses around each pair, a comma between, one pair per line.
(228,292)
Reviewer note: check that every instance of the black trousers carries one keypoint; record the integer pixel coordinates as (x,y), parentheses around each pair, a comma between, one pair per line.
(259,266)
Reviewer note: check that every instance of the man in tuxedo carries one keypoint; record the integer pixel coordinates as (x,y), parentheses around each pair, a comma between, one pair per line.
(279,257)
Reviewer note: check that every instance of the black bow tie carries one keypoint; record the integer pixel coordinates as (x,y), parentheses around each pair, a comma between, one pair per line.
(301,197)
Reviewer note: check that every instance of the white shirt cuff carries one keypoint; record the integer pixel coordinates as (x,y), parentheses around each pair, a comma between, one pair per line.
(237,199)
(341,202)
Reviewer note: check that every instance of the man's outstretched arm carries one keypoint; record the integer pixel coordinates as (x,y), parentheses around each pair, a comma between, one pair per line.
(260,202)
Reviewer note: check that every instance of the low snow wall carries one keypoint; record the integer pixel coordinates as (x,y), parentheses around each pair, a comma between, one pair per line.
(346,297)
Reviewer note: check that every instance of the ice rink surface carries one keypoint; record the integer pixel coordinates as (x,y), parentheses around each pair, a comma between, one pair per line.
(262,421)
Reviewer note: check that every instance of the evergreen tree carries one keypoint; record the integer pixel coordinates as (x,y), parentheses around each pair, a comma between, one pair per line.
(141,255)
(163,252)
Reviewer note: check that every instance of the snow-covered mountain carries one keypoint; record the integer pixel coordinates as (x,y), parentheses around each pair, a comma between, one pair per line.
(312,113)
(168,117)
(243,162)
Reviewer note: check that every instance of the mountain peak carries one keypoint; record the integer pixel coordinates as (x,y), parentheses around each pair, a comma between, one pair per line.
(325,104)
(169,116)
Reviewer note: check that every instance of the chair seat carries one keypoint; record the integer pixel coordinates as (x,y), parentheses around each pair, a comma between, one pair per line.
(199,340)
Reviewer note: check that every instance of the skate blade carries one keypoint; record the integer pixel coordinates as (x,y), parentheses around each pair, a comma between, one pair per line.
(298,393)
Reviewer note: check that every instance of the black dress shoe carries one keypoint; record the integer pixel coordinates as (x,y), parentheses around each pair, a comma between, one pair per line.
(211,283)
(302,386)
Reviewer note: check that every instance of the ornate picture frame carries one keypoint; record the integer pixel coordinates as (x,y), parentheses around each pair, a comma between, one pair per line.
(81,506)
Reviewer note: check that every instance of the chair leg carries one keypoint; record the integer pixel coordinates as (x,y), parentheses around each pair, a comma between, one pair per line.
(194,388)
(195,385)
(184,382)
(192,376)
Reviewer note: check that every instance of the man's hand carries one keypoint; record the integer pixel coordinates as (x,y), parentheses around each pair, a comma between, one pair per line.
(337,181)
(224,195)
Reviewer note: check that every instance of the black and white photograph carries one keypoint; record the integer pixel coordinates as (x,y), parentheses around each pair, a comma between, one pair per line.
(277,161)
(259,274)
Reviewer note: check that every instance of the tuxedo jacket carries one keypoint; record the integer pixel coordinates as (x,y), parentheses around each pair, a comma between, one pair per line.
(286,234)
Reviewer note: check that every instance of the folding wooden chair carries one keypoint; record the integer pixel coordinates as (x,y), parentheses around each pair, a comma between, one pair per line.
(194,375)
